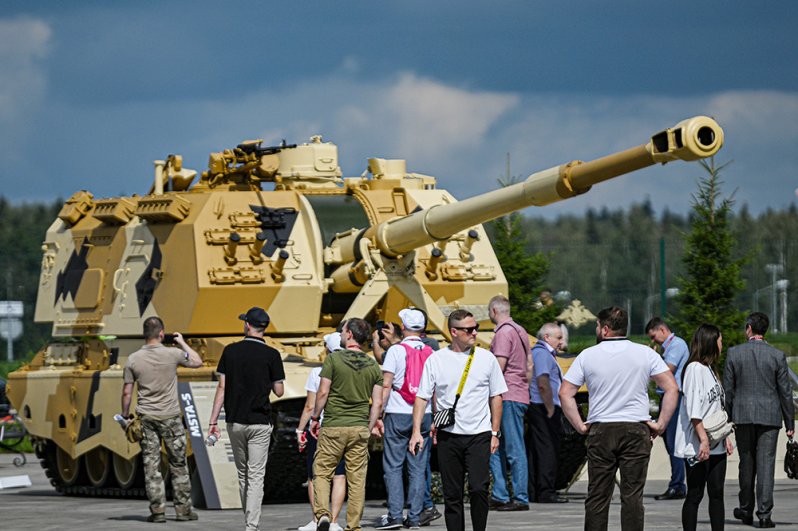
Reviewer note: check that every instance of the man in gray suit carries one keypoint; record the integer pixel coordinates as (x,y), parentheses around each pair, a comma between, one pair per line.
(758,398)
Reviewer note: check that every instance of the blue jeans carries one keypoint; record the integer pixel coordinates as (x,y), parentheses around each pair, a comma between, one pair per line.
(428,492)
(677,463)
(511,450)
(398,429)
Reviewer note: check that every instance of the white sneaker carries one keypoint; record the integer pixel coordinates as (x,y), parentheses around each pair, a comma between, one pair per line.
(310,526)
(335,527)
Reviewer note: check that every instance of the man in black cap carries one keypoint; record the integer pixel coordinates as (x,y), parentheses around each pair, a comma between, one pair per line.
(251,370)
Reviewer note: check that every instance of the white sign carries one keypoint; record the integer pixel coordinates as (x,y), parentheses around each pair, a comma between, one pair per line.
(10,328)
(10,309)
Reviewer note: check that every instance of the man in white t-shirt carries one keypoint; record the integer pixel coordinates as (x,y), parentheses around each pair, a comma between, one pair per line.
(398,425)
(619,427)
(467,445)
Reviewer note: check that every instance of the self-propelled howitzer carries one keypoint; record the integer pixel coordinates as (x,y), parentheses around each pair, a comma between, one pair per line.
(312,251)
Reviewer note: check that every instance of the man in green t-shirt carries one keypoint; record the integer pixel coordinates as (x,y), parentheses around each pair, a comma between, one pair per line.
(350,378)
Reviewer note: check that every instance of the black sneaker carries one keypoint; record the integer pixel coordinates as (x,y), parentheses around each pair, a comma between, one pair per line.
(386,523)
(428,515)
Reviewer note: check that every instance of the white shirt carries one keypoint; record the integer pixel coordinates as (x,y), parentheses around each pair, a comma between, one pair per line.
(395,362)
(702,397)
(617,372)
(442,374)
(312,384)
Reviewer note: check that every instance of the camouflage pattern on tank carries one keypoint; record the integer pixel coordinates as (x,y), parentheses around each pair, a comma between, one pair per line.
(313,249)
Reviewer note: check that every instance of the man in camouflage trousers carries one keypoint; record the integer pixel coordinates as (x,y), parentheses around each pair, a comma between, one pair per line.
(154,368)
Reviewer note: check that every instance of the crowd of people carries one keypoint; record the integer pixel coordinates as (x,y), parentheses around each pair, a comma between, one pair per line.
(491,414)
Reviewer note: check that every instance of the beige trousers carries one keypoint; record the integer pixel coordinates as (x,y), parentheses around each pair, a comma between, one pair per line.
(353,445)
(250,445)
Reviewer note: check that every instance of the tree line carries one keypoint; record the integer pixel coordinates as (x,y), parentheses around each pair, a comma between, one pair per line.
(22,231)
(614,257)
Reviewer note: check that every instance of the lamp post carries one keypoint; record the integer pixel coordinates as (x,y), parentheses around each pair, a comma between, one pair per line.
(782,286)
(669,294)
(774,269)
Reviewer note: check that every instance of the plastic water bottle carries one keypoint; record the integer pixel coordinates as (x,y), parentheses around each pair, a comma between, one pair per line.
(121,420)
(211,440)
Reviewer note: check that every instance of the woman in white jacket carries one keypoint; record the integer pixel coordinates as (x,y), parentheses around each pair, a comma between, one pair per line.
(703,395)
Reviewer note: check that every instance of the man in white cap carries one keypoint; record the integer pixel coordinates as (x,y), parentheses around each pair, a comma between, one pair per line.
(401,371)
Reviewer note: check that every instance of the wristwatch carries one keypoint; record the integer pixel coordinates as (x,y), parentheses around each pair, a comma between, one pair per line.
(497,434)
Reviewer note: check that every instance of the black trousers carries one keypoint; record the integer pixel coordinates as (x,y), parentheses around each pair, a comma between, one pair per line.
(710,474)
(612,446)
(756,445)
(543,450)
(458,454)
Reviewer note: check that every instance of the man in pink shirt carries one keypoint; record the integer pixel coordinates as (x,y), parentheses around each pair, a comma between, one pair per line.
(510,345)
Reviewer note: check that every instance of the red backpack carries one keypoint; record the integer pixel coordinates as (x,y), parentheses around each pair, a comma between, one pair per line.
(416,357)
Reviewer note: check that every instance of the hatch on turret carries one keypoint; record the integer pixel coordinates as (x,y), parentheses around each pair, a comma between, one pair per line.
(310,165)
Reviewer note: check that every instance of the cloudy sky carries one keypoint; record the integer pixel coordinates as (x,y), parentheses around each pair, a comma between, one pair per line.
(92,92)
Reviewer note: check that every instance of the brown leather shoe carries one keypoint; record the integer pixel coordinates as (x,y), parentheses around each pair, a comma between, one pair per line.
(494,505)
(514,506)
(554,499)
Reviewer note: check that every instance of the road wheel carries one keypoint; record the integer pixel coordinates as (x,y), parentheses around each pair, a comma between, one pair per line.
(67,468)
(98,466)
(127,472)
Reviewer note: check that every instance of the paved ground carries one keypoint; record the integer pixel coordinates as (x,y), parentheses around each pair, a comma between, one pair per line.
(40,507)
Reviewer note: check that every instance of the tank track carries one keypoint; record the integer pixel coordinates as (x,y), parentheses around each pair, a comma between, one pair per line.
(45,452)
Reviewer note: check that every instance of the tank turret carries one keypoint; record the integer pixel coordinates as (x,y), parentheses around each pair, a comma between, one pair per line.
(313,250)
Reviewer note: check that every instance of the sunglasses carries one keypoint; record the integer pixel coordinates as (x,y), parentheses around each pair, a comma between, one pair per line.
(467,329)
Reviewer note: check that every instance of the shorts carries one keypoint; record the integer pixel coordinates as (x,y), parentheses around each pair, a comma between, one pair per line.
(310,448)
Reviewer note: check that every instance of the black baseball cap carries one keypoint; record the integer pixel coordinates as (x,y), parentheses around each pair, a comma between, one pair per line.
(256,317)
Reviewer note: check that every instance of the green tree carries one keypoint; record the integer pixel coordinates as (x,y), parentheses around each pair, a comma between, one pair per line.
(711,282)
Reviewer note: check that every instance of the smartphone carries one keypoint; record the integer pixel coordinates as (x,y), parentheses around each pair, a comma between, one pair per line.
(168,339)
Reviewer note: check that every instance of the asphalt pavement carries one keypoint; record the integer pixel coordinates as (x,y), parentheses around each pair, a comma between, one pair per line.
(40,507)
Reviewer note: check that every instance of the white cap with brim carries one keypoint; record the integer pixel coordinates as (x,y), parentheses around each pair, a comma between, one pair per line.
(333,341)
(412,319)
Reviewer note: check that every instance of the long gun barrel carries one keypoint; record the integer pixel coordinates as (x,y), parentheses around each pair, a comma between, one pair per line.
(692,139)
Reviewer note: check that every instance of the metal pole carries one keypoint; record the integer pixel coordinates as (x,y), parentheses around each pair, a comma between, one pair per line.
(663,303)
(783,323)
(773,300)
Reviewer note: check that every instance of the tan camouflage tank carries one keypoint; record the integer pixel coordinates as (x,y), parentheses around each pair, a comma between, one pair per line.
(313,249)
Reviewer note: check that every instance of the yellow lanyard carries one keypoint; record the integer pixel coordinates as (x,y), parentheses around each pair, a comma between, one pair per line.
(465,371)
